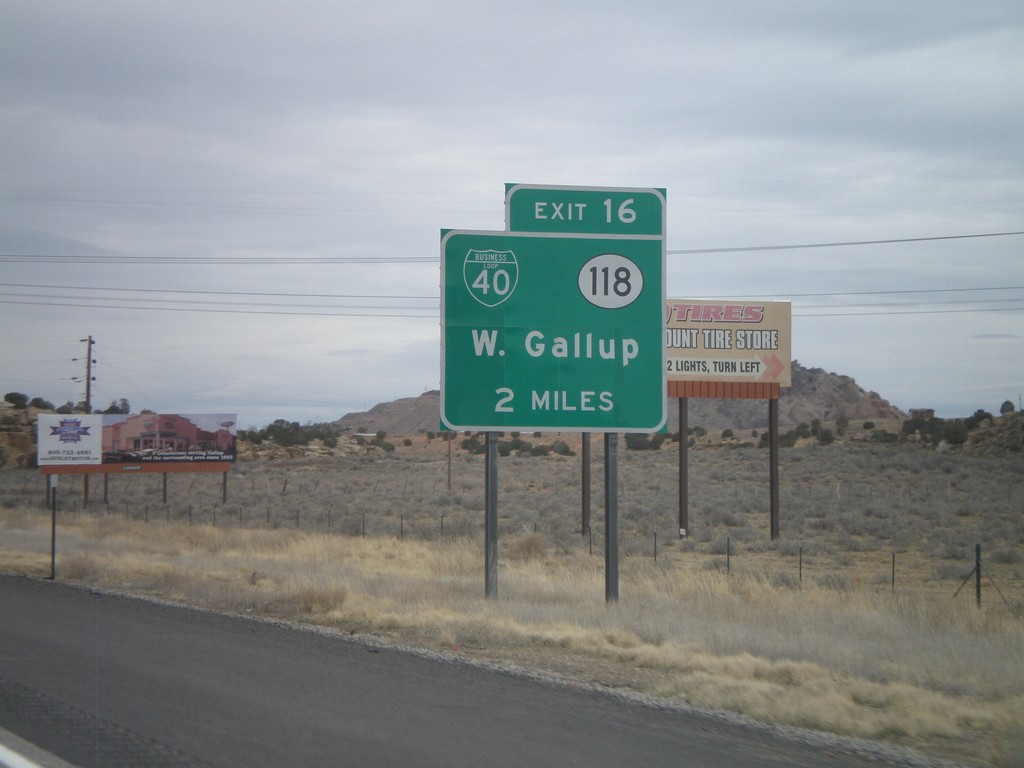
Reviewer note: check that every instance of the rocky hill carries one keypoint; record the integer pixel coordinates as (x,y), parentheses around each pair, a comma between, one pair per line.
(815,394)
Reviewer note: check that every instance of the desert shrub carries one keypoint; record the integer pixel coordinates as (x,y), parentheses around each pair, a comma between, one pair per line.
(530,546)
(951,571)
(719,545)
(789,548)
(1005,556)
(834,581)
(726,517)
(320,598)
(562,449)
(77,567)
(785,580)
(472,445)
(636,441)
(787,440)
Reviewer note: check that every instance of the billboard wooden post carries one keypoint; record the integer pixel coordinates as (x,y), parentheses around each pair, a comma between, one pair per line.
(773,460)
(684,461)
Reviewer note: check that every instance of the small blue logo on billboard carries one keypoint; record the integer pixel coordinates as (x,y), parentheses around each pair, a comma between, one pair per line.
(70,431)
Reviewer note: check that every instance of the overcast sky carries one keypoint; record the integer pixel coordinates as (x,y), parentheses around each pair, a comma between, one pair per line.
(241,201)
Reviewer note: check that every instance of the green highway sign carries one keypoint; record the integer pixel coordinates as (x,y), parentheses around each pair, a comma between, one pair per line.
(552,332)
(634,212)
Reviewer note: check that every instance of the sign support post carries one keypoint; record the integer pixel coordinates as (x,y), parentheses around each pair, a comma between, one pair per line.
(684,467)
(491,517)
(53,527)
(773,460)
(611,517)
(585,483)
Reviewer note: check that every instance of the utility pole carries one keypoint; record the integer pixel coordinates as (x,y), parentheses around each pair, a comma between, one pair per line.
(88,407)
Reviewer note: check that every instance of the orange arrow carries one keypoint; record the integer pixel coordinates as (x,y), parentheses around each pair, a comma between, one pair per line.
(773,365)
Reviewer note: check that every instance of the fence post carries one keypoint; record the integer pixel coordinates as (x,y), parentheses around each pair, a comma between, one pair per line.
(977,574)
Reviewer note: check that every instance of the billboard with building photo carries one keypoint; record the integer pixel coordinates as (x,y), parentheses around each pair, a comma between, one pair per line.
(168,437)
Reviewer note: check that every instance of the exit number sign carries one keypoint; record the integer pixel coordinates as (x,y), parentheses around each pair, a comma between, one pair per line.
(585,210)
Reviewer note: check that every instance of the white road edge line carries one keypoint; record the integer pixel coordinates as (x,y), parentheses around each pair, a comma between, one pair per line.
(13,751)
(11,759)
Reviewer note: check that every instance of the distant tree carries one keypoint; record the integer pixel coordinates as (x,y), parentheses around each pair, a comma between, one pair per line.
(955,432)
(68,407)
(974,421)
(825,436)
(1006,407)
(40,405)
(727,433)
(17,399)
(118,406)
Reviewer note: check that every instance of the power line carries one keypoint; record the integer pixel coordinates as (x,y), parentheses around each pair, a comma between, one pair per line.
(793,247)
(294,260)
(15,258)
(81,289)
(217,311)
(218,293)
(198,302)
(433,311)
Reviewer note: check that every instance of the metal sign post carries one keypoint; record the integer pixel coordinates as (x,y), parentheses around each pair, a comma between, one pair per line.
(491,517)
(611,517)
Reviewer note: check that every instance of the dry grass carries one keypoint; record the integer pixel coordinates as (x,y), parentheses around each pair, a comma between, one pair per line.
(838,650)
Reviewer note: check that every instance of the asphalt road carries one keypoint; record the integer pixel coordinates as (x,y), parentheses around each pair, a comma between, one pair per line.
(102,680)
